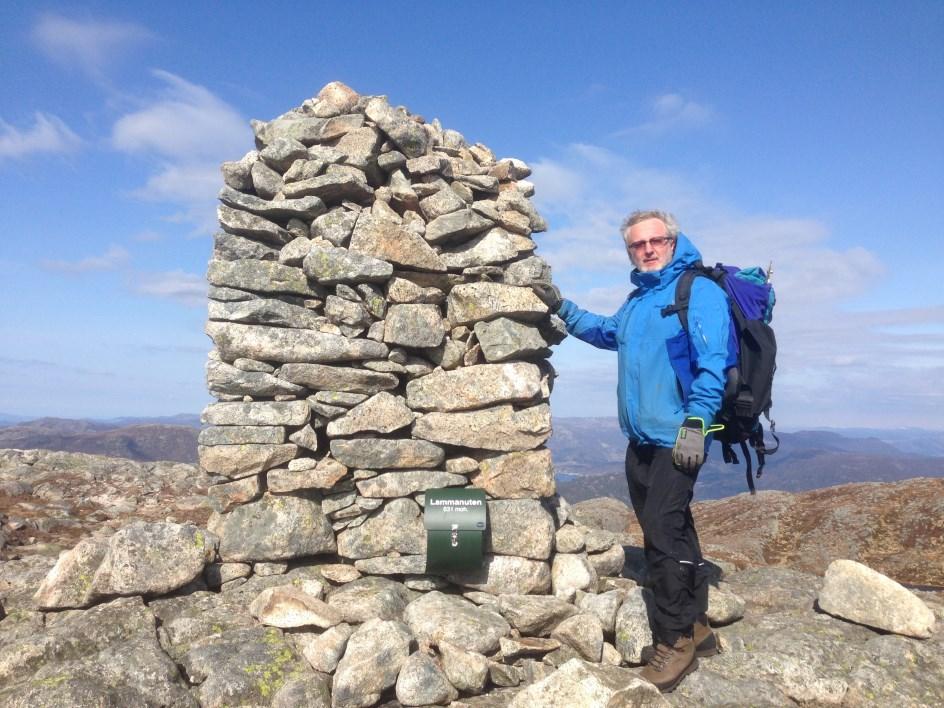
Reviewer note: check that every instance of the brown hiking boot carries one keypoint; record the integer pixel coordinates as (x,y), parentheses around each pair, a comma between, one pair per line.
(706,643)
(670,664)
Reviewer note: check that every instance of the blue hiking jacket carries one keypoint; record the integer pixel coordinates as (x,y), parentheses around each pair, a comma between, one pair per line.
(652,402)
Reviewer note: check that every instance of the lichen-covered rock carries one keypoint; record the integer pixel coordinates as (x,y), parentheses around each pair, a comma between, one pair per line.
(259,276)
(724,606)
(370,597)
(493,247)
(436,617)
(247,666)
(474,386)
(466,670)
(519,527)
(303,208)
(257,413)
(275,527)
(389,242)
(403,483)
(69,583)
(375,653)
(534,615)
(414,326)
(604,605)
(131,672)
(518,475)
(331,188)
(396,528)
(323,475)
(382,453)
(265,311)
(381,413)
(501,428)
(582,632)
(139,559)
(330,266)
(242,435)
(408,135)
(236,461)
(289,345)
(422,682)
(321,377)
(323,651)
(506,574)
(503,338)
(473,302)
(313,691)
(610,562)
(632,626)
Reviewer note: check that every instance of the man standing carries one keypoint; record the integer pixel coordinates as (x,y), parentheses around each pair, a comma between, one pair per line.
(668,427)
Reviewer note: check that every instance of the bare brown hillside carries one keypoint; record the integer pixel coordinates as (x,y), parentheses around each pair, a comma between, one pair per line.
(896,528)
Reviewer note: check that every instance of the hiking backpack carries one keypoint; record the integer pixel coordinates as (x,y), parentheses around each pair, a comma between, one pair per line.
(752,353)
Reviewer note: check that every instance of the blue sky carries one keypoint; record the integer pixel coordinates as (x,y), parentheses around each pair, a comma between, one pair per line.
(806,133)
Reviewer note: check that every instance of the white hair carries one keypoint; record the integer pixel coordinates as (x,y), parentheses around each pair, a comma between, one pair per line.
(671,225)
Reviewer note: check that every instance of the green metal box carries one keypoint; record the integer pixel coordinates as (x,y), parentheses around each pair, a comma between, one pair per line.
(455,521)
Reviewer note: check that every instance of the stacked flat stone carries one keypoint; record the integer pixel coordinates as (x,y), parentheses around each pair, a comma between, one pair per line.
(377,334)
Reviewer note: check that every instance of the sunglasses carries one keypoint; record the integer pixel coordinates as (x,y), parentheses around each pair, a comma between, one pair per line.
(658,242)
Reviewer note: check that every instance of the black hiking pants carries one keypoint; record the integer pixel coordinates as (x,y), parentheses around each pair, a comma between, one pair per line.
(677,575)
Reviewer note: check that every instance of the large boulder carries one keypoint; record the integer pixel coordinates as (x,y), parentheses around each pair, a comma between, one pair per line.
(140,559)
(855,592)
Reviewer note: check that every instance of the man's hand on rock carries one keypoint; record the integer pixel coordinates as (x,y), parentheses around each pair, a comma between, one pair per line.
(549,294)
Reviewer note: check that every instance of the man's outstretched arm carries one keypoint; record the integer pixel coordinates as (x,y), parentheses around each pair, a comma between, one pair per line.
(589,327)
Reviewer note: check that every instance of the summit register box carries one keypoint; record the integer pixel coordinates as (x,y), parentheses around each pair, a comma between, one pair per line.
(455,521)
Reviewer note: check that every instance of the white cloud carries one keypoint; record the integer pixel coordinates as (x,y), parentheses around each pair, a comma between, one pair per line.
(48,134)
(90,45)
(185,122)
(672,112)
(834,364)
(187,131)
(112,259)
(185,288)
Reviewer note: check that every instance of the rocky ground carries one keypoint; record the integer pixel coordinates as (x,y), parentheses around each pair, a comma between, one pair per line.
(50,500)
(397,641)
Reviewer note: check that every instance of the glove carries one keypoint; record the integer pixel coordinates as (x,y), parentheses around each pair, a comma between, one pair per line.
(549,294)
(689,451)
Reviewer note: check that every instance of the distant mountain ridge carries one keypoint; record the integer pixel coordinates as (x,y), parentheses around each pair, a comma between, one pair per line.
(588,452)
(144,442)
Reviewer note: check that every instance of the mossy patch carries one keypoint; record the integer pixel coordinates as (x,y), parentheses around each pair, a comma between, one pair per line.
(270,677)
(52,681)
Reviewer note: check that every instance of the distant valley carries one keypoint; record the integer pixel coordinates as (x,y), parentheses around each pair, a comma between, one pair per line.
(588,453)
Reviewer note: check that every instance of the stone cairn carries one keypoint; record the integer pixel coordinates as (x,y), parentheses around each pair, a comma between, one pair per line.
(378,334)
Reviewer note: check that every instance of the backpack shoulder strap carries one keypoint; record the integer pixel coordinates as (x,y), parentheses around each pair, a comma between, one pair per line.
(683,294)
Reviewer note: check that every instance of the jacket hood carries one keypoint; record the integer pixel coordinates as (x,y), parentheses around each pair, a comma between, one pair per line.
(686,255)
